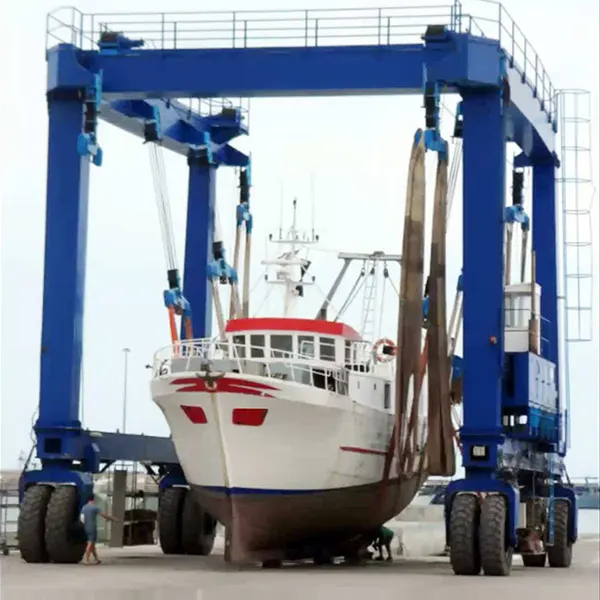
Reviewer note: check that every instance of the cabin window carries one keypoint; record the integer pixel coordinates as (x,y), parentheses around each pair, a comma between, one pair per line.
(306,346)
(342,382)
(327,348)
(257,346)
(348,352)
(239,346)
(386,396)
(282,346)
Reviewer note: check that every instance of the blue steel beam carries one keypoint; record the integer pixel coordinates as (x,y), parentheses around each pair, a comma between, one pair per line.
(455,61)
(180,127)
(148,449)
(57,427)
(484,166)
(199,237)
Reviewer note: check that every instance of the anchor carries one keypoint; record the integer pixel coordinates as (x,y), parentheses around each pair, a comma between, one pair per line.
(209,377)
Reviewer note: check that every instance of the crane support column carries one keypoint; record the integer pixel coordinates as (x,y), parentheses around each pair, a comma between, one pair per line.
(483,280)
(199,237)
(544,245)
(64,281)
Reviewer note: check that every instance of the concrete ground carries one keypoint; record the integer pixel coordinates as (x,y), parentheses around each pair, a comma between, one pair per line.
(146,574)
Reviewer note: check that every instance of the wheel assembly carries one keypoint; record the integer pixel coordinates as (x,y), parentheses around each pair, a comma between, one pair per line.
(560,554)
(64,534)
(464,535)
(170,512)
(496,552)
(198,528)
(32,524)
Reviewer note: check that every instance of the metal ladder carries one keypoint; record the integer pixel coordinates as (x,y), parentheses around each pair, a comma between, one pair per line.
(369,301)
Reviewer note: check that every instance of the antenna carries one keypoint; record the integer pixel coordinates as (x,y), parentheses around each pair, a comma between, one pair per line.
(280,207)
(312,202)
(290,266)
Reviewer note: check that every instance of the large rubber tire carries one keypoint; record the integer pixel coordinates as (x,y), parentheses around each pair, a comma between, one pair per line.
(560,555)
(32,524)
(464,535)
(198,528)
(534,560)
(65,536)
(170,509)
(496,553)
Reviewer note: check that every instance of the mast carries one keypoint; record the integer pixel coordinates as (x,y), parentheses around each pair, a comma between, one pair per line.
(290,266)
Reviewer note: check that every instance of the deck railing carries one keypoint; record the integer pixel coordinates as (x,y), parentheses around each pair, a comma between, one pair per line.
(303,28)
(211,354)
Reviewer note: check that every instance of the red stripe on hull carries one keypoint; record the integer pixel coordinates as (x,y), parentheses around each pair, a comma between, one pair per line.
(363,450)
(229,385)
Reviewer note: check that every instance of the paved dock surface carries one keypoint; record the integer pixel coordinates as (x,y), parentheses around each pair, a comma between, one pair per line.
(146,574)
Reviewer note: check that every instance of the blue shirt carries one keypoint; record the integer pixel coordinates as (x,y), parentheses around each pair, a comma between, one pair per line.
(89,516)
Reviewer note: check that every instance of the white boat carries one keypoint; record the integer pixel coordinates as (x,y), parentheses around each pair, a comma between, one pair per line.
(282,426)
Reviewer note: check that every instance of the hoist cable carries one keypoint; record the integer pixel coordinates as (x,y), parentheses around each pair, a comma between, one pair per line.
(246,282)
(455,165)
(352,293)
(263,302)
(162,201)
(351,299)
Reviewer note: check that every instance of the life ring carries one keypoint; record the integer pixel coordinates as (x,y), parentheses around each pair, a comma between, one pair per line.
(380,344)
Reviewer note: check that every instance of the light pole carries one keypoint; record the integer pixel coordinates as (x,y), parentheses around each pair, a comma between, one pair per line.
(126,352)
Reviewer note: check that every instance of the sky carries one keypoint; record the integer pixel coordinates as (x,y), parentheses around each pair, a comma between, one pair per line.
(305,148)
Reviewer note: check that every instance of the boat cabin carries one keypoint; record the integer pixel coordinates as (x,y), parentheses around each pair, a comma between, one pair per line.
(298,339)
(324,354)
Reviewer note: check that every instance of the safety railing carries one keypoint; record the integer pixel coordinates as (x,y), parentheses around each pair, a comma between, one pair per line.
(490,19)
(193,355)
(304,28)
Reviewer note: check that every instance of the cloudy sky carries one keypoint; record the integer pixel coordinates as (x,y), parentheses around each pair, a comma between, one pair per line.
(358,176)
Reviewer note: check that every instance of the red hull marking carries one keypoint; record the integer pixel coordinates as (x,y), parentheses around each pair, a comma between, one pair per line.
(363,450)
(195,414)
(224,385)
(252,417)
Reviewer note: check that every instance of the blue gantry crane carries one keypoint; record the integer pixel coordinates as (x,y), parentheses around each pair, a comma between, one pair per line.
(512,498)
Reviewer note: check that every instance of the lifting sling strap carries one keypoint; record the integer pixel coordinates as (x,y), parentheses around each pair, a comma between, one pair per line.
(412,362)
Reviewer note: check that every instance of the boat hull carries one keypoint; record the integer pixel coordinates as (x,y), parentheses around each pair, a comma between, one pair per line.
(288,469)
(276,524)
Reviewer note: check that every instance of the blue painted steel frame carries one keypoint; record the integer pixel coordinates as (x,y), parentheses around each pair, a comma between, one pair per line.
(67,452)
(198,248)
(499,105)
(458,60)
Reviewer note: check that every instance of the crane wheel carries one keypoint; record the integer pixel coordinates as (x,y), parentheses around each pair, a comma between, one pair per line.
(496,553)
(464,535)
(170,512)
(198,528)
(534,560)
(32,523)
(65,536)
(560,555)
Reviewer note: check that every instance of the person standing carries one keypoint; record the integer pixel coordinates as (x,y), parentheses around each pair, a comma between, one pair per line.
(89,517)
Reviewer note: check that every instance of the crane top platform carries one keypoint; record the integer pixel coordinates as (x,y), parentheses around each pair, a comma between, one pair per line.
(322,52)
